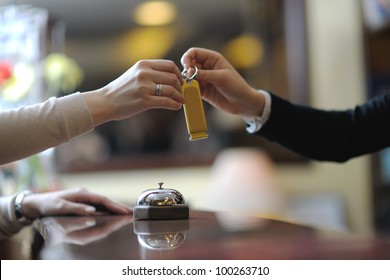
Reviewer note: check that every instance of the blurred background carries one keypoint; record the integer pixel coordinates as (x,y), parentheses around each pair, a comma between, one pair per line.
(328,54)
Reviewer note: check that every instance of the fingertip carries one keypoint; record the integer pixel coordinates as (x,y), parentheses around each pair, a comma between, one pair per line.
(126,210)
(90,223)
(185,61)
(176,106)
(90,209)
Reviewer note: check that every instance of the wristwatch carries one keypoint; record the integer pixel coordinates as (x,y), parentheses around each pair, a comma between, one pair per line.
(18,208)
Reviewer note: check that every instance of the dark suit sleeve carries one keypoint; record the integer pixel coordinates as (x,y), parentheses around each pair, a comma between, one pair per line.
(329,135)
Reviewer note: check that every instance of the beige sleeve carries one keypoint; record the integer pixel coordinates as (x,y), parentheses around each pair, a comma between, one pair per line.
(31,129)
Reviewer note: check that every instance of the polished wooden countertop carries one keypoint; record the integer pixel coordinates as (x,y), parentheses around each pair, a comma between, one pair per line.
(205,235)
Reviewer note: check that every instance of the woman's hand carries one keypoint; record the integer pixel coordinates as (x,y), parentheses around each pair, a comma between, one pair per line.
(221,85)
(136,91)
(70,202)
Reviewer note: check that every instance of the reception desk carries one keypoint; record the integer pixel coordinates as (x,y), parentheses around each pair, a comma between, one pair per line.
(205,235)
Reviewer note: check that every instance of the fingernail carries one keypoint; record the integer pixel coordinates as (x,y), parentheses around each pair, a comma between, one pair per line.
(90,223)
(90,209)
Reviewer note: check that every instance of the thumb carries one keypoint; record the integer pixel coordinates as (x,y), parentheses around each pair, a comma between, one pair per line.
(186,61)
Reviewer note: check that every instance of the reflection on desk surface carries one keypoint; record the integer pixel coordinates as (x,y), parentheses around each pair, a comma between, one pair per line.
(205,235)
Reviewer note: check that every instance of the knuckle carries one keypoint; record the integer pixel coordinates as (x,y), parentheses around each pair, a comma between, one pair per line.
(172,65)
(172,79)
(142,75)
(142,64)
(59,205)
(80,190)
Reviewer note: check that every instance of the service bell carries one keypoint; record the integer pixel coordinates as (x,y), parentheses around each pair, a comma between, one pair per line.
(161,204)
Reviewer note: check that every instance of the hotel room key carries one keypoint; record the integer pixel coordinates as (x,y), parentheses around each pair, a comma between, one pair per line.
(193,107)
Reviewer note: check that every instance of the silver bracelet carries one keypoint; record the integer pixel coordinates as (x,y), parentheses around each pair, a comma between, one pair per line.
(18,208)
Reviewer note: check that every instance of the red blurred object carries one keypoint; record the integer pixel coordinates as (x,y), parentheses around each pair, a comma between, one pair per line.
(5,71)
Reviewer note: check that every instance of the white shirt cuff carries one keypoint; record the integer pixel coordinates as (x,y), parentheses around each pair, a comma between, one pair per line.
(255,124)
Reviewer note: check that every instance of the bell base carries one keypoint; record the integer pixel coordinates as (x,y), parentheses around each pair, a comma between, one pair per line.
(144,212)
(156,227)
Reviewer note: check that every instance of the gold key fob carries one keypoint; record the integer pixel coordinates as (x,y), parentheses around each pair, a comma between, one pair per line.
(193,108)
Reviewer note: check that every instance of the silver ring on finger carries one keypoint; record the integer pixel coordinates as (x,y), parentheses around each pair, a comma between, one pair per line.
(158,89)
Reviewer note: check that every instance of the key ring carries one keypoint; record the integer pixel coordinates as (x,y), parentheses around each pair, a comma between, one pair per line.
(184,74)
